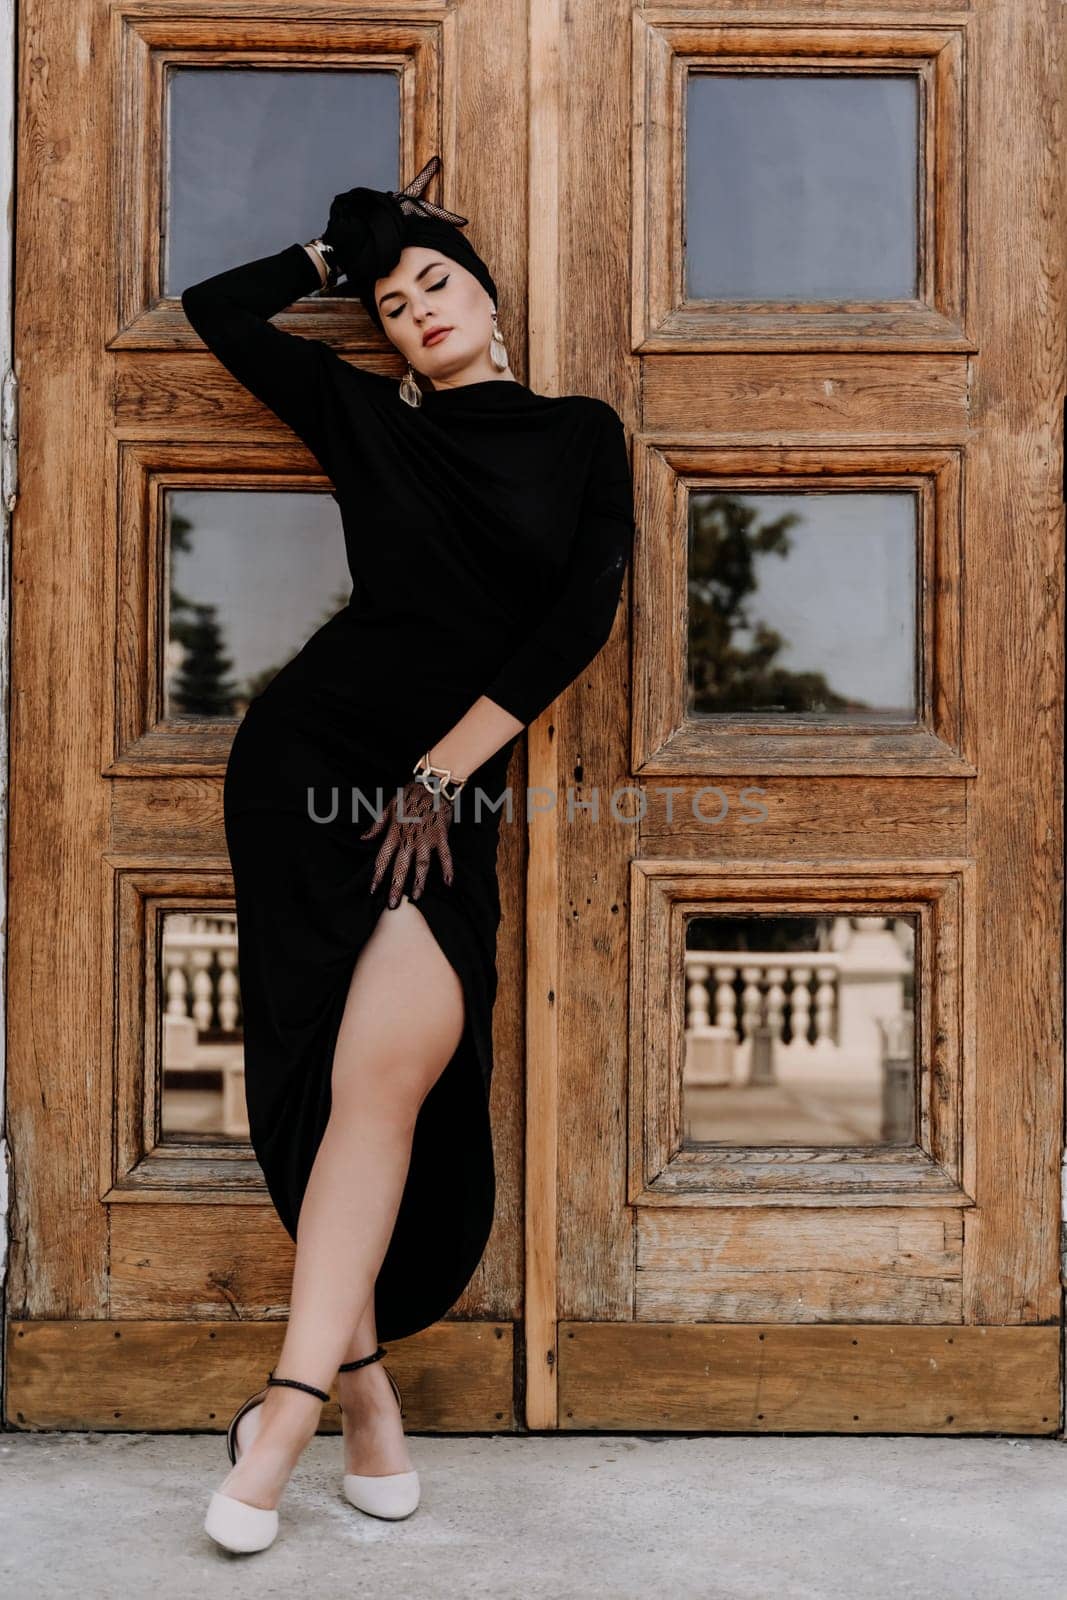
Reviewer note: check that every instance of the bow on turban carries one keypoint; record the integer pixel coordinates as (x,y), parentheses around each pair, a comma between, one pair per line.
(368,229)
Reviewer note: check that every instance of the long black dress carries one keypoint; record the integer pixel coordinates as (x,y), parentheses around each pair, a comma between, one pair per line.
(487,533)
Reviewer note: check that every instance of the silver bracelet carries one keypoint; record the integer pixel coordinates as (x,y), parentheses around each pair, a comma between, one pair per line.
(326,255)
(436,778)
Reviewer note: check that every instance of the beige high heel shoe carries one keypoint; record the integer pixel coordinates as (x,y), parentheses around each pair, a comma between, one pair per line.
(389,1494)
(235,1524)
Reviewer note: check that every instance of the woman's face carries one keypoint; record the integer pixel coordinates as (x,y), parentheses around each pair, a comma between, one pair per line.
(427,290)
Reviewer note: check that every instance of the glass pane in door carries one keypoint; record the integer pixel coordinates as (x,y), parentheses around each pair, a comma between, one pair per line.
(804,606)
(799,1031)
(202,1045)
(250,576)
(802,187)
(254,155)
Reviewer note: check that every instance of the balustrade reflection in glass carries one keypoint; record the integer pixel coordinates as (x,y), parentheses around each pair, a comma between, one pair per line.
(202,1042)
(799,1031)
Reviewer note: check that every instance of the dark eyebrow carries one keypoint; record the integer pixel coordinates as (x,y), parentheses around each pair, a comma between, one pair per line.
(394,294)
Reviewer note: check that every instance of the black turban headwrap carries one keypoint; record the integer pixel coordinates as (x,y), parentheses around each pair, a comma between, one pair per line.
(374,226)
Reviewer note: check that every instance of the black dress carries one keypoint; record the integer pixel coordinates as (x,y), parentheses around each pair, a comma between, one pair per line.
(487,533)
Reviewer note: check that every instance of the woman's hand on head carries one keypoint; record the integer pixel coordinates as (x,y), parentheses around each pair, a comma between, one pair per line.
(363,222)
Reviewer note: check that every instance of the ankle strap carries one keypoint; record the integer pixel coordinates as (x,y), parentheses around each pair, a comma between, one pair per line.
(294,1383)
(350,1366)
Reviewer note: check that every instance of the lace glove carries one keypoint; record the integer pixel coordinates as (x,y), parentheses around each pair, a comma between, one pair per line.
(416,826)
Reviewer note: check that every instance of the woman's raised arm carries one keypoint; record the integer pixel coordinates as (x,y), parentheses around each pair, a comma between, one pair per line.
(292,375)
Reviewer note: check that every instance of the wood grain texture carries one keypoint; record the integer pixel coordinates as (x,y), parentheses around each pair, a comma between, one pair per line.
(595,1240)
(187,1376)
(850,1378)
(921,399)
(753,814)
(824,1264)
(1014,654)
(548,326)
(230,1260)
(57,1092)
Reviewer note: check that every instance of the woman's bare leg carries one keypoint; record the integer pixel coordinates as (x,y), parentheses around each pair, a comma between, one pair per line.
(388,1056)
(374,1441)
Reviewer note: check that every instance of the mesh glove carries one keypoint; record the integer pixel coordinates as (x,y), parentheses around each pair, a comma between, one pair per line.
(416,824)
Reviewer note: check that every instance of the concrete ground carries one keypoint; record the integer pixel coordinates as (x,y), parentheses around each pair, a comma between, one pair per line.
(668,1516)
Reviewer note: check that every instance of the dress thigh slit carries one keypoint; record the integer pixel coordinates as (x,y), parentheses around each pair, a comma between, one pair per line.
(304,914)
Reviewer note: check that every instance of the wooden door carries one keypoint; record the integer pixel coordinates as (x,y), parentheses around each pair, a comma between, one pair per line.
(785,1153)
(796,1050)
(173,544)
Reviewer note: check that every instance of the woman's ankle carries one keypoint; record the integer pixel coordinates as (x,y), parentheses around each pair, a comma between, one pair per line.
(289,1416)
(365,1391)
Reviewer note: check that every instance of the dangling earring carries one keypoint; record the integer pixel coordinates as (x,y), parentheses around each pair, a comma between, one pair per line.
(498,350)
(410,392)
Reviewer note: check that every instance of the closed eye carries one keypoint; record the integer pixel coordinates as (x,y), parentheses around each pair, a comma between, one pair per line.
(439,285)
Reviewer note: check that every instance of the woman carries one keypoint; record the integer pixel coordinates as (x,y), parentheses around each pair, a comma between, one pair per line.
(487,530)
